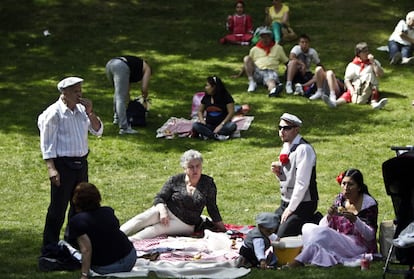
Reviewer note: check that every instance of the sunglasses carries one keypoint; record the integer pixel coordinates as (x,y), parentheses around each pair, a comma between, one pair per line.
(286,128)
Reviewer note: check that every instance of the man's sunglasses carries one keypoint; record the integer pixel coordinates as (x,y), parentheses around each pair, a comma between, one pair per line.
(286,128)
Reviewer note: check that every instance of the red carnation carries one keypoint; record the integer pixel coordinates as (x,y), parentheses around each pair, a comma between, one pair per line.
(339,178)
(284,159)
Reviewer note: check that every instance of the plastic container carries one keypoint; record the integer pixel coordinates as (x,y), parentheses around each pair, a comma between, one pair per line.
(287,248)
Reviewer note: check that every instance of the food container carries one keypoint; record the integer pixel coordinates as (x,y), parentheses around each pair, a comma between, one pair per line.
(287,248)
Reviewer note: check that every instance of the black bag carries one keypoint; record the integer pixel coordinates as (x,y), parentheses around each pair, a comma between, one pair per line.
(136,113)
(57,257)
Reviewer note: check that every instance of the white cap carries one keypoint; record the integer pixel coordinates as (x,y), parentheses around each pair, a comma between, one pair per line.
(67,82)
(292,119)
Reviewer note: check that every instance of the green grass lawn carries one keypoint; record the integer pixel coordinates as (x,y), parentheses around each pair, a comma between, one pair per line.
(180,40)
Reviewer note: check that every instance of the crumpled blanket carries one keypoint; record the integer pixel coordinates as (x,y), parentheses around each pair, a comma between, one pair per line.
(181,127)
(213,256)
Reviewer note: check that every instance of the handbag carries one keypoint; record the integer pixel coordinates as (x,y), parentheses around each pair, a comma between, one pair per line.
(288,34)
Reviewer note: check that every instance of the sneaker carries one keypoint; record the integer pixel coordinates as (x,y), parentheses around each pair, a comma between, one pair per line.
(128,131)
(328,101)
(289,89)
(221,137)
(275,92)
(408,60)
(380,104)
(332,97)
(317,95)
(252,86)
(396,59)
(115,122)
(298,89)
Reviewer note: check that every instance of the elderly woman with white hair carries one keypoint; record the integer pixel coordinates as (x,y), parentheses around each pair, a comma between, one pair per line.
(178,206)
(401,41)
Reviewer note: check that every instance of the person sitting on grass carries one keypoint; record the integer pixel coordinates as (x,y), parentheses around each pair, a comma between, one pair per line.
(298,69)
(240,25)
(361,81)
(347,232)
(178,205)
(401,41)
(95,228)
(217,106)
(326,81)
(262,64)
(257,241)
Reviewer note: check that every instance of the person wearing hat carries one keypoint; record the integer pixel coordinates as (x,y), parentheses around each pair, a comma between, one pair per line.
(64,127)
(361,81)
(296,172)
(262,64)
(121,72)
(257,241)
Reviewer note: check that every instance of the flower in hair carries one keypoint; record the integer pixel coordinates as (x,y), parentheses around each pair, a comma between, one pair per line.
(284,159)
(340,177)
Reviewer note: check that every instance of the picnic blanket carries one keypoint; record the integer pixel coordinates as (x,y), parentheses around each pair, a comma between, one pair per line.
(213,256)
(181,127)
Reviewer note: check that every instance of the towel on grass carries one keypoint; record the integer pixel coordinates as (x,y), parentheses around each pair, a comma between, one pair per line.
(181,127)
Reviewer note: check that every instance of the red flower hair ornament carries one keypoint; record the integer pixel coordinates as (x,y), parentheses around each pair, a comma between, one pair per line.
(284,159)
(340,177)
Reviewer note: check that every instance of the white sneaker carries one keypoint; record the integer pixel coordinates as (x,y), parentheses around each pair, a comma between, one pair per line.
(252,86)
(289,89)
(128,131)
(328,101)
(298,89)
(221,137)
(316,96)
(380,104)
(332,97)
(407,60)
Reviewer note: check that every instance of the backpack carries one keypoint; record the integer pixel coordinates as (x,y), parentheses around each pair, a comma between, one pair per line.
(136,113)
(57,257)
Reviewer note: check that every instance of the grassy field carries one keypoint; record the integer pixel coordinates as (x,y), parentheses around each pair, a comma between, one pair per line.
(180,40)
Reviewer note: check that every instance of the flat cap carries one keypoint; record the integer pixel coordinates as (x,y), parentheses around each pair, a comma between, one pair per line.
(268,220)
(67,82)
(292,119)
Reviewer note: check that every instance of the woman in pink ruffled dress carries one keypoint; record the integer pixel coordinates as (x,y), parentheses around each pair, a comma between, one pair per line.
(240,26)
(347,232)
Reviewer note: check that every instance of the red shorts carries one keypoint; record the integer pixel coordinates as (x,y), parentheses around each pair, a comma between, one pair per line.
(347,96)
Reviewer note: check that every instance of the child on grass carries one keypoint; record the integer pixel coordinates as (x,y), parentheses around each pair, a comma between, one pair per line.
(258,241)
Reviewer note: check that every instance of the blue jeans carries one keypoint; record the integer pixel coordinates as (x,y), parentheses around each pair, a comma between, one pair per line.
(394,47)
(207,129)
(123,265)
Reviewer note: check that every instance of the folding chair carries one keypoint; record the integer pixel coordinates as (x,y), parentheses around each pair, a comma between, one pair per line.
(398,175)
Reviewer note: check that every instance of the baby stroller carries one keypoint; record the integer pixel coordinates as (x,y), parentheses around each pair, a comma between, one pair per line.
(399,184)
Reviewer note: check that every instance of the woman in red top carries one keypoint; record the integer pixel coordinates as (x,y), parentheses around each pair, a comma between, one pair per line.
(240,25)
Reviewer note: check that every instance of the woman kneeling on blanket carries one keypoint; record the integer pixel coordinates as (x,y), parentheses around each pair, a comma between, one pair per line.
(347,232)
(178,206)
(104,248)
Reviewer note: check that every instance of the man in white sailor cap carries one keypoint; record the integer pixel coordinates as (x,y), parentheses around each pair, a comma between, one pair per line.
(64,127)
(296,172)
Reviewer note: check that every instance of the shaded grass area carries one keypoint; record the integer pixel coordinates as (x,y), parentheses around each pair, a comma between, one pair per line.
(180,40)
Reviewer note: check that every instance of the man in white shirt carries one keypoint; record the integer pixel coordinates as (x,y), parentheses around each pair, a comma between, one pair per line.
(401,41)
(296,172)
(64,127)
(298,71)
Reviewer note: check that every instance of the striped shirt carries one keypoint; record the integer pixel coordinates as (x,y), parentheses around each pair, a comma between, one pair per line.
(63,132)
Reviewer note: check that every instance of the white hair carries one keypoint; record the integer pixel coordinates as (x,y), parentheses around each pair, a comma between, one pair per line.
(409,17)
(189,155)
